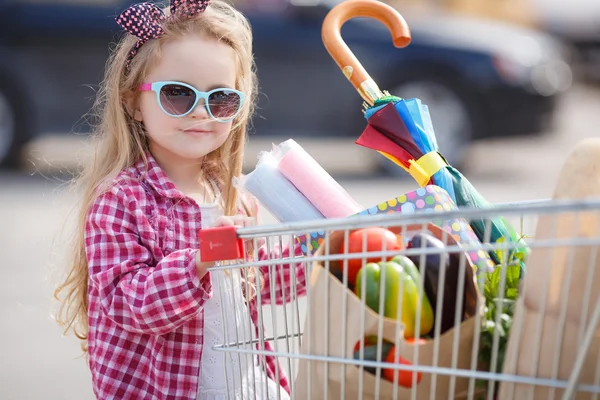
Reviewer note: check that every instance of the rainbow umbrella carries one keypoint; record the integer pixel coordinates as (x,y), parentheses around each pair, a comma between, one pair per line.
(402,129)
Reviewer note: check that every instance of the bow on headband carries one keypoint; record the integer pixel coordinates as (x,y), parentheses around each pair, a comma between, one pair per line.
(145,20)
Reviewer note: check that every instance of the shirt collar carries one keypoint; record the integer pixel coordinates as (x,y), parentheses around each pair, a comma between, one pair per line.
(149,170)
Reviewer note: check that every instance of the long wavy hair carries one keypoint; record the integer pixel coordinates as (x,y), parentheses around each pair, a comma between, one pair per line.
(119,140)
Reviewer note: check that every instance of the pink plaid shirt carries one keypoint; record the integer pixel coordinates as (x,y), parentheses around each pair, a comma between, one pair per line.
(145,300)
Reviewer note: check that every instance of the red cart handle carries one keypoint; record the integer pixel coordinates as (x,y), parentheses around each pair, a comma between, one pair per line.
(222,243)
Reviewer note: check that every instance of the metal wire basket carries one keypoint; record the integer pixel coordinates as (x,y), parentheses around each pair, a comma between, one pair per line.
(526,330)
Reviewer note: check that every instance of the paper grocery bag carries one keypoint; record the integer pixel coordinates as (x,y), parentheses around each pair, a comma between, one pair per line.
(570,275)
(323,337)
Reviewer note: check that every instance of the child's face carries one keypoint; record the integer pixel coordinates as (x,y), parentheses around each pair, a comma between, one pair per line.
(205,64)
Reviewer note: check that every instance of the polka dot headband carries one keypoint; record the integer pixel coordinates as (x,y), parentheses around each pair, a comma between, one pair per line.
(145,20)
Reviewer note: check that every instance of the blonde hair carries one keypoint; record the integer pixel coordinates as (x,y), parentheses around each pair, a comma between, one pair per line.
(120,140)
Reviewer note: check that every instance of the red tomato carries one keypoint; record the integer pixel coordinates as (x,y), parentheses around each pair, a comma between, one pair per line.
(405,378)
(375,237)
(412,340)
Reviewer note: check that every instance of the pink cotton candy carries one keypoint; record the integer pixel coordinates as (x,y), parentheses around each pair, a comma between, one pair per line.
(316,184)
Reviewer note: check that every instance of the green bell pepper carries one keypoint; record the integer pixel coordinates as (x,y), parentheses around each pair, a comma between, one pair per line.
(411,303)
(372,271)
(399,273)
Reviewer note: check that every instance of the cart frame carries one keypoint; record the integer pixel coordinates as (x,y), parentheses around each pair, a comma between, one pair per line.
(277,235)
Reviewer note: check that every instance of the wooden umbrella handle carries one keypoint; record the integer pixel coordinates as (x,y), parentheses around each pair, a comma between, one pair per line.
(341,53)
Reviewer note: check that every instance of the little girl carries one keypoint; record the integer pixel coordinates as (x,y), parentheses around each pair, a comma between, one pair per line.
(173,113)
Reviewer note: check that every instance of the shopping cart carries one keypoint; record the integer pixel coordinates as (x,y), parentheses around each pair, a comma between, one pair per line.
(331,345)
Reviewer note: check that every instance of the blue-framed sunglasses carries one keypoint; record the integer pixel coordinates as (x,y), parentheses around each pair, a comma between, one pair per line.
(178,99)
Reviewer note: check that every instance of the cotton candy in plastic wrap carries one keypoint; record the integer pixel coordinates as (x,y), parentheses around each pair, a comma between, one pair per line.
(324,192)
(278,195)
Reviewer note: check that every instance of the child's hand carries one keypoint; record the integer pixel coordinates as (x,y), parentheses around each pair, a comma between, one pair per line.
(239,221)
(201,267)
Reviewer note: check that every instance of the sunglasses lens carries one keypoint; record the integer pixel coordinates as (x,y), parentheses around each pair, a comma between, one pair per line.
(224,104)
(177,99)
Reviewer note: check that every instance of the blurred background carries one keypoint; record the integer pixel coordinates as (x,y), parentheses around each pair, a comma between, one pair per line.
(511,86)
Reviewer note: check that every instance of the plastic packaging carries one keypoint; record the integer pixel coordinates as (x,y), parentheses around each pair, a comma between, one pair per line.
(278,195)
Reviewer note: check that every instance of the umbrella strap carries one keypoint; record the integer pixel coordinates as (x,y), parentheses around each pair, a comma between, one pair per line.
(425,167)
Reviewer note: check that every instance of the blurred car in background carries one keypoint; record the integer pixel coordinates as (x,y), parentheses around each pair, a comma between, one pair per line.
(480,79)
(577,22)
(519,12)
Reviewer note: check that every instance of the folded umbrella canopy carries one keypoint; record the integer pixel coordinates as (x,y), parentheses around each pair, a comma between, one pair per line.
(402,129)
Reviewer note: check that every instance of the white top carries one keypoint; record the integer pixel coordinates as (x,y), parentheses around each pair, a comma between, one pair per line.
(230,375)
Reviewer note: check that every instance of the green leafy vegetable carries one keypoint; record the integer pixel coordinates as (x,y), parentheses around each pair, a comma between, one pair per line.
(500,300)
